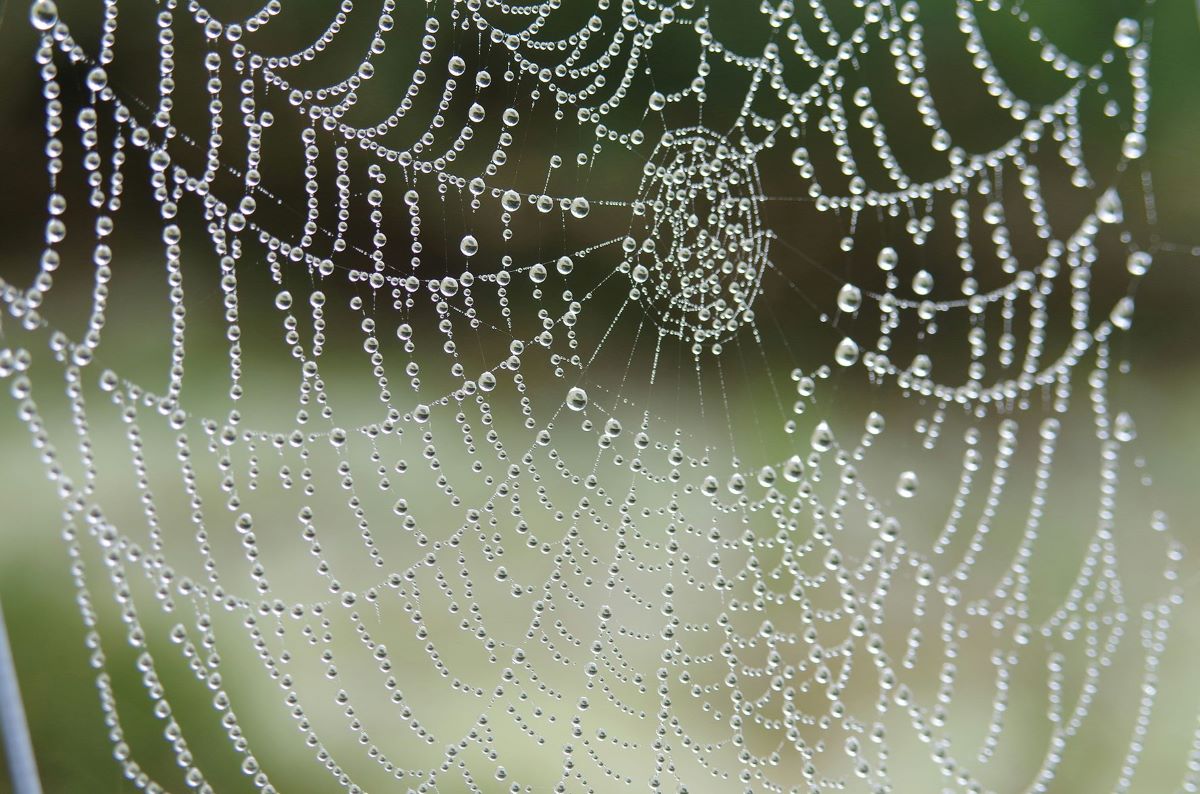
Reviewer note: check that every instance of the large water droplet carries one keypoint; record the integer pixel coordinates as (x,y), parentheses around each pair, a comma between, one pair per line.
(1134,145)
(1109,208)
(849,298)
(922,283)
(43,14)
(1122,314)
(1127,33)
(847,352)
(1139,263)
(577,399)
(822,437)
(888,259)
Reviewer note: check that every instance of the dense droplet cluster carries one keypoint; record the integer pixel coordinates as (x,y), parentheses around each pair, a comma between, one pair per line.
(698,249)
(499,561)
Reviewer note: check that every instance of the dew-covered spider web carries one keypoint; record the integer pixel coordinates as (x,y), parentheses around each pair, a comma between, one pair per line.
(603,395)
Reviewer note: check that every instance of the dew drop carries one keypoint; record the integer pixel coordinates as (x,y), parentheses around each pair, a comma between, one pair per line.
(1134,145)
(1108,208)
(1122,314)
(847,352)
(849,298)
(97,79)
(888,259)
(875,423)
(922,283)
(822,437)
(577,399)
(1138,263)
(1127,33)
(43,14)
(793,469)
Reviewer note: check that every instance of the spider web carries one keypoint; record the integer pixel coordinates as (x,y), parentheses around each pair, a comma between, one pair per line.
(588,397)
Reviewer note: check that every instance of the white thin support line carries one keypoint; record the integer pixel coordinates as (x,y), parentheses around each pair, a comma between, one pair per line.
(18,747)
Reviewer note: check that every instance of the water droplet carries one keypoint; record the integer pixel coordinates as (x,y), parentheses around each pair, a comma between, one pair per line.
(1122,314)
(847,352)
(922,282)
(849,298)
(97,79)
(1124,428)
(469,245)
(907,484)
(1127,33)
(43,14)
(1139,263)
(577,399)
(1134,145)
(875,423)
(822,437)
(1109,208)
(888,259)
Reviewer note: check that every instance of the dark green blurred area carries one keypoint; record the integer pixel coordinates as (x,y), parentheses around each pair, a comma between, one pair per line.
(60,695)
